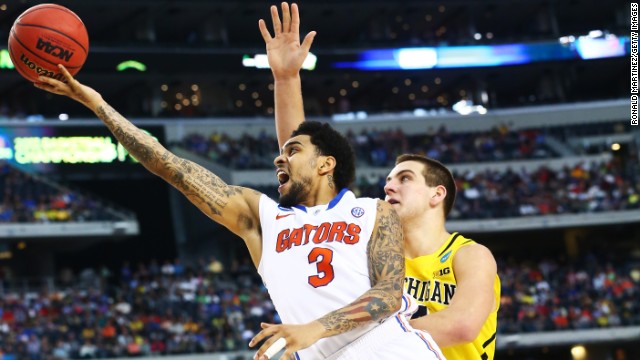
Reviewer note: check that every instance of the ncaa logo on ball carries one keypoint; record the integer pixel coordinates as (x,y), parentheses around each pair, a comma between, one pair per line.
(357,212)
(54,50)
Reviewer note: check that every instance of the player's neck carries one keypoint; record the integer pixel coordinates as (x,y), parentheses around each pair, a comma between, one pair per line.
(424,236)
(321,196)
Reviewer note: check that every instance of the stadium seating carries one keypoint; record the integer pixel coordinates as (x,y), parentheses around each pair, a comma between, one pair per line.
(27,198)
(173,308)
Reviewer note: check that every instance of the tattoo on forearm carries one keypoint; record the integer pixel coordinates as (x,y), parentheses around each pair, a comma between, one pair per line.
(386,249)
(141,147)
(370,307)
(200,186)
(386,269)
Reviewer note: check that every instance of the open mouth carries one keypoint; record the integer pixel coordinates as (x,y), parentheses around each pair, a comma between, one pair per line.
(393,201)
(283,177)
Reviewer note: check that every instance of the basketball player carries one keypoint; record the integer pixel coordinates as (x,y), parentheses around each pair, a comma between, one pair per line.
(332,263)
(439,265)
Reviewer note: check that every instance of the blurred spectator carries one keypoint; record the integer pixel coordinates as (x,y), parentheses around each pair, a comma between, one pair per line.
(26,198)
(215,266)
(380,148)
(198,312)
(583,188)
(588,294)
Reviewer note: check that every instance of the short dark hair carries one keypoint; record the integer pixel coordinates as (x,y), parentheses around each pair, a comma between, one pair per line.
(435,173)
(329,142)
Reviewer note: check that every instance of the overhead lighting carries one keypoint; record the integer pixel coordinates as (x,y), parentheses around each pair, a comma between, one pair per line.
(261,61)
(466,107)
(131,64)
(5,60)
(595,34)
(564,40)
(579,352)
(358,115)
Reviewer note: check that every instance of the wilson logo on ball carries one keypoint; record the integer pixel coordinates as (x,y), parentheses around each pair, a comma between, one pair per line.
(54,50)
(39,69)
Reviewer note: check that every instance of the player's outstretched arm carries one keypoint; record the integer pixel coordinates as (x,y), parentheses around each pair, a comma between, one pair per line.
(386,269)
(232,206)
(286,55)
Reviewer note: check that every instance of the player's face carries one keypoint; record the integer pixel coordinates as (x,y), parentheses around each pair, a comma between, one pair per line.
(406,189)
(295,168)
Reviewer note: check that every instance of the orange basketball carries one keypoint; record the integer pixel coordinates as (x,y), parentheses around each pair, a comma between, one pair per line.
(44,36)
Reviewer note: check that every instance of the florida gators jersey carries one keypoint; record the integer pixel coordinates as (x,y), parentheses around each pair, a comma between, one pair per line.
(430,279)
(314,260)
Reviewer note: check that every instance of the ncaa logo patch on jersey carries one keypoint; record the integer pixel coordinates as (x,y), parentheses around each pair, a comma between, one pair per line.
(445,256)
(357,211)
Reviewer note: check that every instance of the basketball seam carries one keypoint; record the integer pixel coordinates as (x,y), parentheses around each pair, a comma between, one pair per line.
(61,8)
(38,56)
(18,68)
(54,30)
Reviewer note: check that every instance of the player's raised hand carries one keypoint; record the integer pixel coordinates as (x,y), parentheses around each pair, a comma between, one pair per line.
(71,88)
(296,337)
(284,50)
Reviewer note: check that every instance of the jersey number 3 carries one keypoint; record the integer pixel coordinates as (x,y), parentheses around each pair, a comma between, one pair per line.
(322,257)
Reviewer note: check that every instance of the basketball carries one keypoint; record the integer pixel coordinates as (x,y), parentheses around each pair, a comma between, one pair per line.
(44,36)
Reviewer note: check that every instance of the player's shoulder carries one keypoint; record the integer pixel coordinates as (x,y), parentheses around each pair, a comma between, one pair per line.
(268,205)
(471,250)
(265,200)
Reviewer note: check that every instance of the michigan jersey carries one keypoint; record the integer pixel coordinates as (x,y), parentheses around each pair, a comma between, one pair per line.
(431,281)
(314,260)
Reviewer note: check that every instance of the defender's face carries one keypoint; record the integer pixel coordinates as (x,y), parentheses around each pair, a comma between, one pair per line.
(295,169)
(406,189)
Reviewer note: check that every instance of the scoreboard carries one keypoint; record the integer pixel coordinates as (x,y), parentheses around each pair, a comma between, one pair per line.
(68,149)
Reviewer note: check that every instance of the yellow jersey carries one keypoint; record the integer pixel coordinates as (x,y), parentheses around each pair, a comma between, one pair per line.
(430,279)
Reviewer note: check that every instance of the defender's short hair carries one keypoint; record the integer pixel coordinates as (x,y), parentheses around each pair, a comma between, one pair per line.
(435,173)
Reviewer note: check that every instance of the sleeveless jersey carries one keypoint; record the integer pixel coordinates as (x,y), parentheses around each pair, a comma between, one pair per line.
(431,281)
(314,260)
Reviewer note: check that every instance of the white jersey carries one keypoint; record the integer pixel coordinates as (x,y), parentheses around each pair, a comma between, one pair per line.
(314,260)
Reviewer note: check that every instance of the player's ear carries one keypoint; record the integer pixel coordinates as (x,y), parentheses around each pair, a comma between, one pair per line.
(326,164)
(438,195)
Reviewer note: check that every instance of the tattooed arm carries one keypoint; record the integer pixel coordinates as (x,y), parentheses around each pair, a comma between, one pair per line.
(234,207)
(386,269)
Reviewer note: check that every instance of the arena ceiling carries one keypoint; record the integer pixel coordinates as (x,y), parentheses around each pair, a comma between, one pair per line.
(204,40)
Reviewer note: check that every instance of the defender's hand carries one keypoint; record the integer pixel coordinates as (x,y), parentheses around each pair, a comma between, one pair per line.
(284,51)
